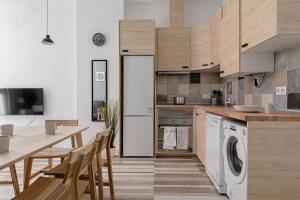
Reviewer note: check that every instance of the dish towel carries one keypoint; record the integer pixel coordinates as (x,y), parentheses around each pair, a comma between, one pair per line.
(182,138)
(169,137)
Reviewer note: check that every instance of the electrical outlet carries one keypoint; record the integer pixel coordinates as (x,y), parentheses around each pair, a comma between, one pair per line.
(281,90)
(206,96)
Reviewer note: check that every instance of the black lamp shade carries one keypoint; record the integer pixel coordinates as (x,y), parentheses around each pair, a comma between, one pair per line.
(47,40)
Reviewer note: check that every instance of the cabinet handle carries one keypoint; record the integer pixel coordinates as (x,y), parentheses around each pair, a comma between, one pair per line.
(222,72)
(125,50)
(204,65)
(185,67)
(212,63)
(197,114)
(245,45)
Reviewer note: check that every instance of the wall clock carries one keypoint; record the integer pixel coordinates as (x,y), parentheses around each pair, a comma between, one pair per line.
(98,39)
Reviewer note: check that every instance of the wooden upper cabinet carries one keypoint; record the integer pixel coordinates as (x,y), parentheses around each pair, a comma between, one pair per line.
(230,38)
(215,38)
(269,25)
(137,37)
(200,46)
(173,49)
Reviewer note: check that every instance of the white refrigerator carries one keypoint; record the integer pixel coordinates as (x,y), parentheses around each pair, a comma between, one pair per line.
(138,102)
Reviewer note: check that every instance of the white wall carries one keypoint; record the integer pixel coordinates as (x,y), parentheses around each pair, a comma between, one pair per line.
(157,10)
(26,62)
(196,11)
(97,16)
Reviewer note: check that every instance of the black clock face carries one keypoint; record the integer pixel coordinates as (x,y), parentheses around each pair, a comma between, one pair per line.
(98,39)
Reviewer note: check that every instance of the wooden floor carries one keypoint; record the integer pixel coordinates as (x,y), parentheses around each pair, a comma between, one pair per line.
(149,179)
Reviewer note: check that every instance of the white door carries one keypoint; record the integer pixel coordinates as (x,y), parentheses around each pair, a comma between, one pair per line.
(138,136)
(138,85)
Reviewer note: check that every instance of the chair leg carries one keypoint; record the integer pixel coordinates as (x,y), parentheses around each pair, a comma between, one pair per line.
(14,178)
(27,171)
(91,182)
(100,177)
(110,175)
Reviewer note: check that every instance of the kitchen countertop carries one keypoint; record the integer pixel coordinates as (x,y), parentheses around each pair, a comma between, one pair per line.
(231,113)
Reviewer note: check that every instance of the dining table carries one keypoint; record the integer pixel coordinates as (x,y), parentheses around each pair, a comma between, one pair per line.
(27,141)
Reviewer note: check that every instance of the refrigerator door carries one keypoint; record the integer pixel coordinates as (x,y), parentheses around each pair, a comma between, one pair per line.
(138,85)
(138,137)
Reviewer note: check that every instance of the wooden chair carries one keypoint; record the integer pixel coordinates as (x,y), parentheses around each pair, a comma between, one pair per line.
(102,142)
(49,153)
(47,188)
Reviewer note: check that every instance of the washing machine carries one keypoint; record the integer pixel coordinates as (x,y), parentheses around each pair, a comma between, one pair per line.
(235,159)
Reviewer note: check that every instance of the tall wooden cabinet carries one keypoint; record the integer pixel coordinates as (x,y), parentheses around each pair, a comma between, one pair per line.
(137,37)
(230,38)
(200,46)
(215,38)
(270,25)
(173,49)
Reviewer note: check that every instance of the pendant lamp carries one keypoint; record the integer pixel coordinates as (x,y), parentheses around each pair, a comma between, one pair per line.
(47,40)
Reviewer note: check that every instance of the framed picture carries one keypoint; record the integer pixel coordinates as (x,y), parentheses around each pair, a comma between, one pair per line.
(99,90)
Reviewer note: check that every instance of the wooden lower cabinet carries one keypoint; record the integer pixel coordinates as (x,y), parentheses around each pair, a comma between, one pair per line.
(199,123)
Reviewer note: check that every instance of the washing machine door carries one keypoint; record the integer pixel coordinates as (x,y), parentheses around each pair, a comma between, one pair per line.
(235,155)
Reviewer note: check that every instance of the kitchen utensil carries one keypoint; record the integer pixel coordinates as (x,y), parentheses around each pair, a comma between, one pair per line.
(179,100)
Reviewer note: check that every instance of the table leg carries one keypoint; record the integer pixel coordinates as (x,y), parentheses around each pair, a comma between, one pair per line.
(14,179)
(27,171)
(79,139)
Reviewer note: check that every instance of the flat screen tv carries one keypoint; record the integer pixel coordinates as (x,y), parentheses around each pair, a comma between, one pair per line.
(21,101)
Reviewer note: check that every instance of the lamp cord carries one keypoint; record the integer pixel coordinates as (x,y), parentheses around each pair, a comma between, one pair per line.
(47,17)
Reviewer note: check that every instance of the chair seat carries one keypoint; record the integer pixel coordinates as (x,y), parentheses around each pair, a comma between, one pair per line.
(61,169)
(53,153)
(58,171)
(42,188)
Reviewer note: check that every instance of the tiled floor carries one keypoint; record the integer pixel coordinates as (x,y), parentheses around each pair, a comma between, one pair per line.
(151,179)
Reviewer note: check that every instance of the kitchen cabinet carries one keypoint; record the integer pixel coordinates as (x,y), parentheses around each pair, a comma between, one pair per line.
(269,25)
(215,38)
(200,46)
(230,38)
(233,63)
(137,37)
(173,49)
(199,123)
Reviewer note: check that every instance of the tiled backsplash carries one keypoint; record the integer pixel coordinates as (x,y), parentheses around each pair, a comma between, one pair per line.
(192,86)
(239,90)
(287,73)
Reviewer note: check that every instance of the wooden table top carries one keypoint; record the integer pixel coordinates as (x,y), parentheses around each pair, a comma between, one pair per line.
(231,113)
(29,140)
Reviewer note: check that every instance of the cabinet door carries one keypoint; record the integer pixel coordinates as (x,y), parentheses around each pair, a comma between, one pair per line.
(230,38)
(200,46)
(215,39)
(200,128)
(137,37)
(173,49)
(258,22)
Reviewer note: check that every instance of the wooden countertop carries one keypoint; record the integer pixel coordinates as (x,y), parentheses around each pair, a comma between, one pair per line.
(231,113)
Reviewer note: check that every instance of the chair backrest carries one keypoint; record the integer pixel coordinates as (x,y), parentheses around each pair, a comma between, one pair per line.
(78,161)
(64,122)
(103,140)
